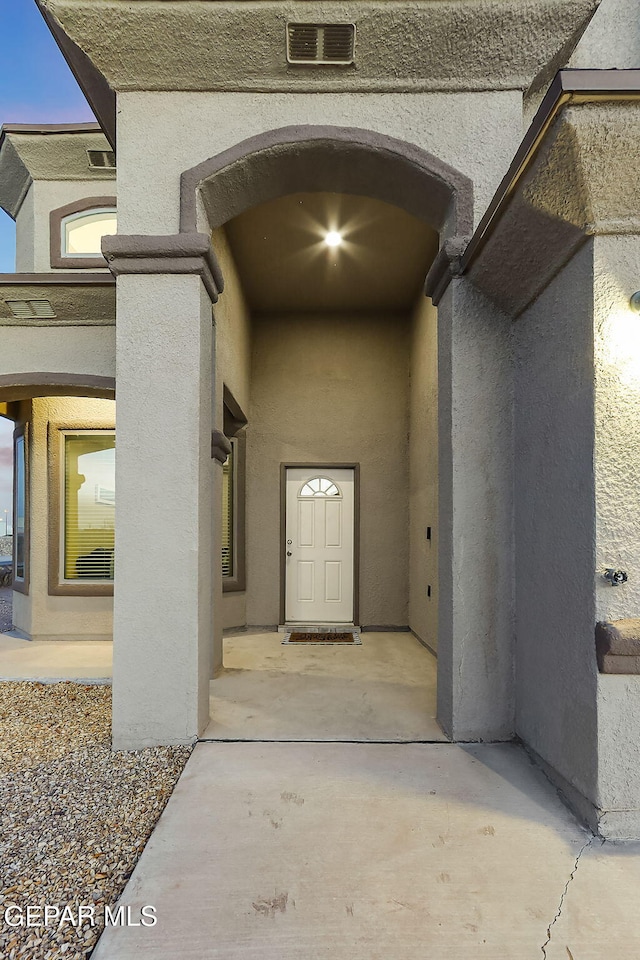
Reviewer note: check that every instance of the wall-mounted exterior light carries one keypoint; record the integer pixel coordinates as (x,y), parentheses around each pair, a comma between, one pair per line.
(634,302)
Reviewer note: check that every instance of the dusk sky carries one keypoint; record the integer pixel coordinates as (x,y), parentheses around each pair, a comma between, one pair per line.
(36,86)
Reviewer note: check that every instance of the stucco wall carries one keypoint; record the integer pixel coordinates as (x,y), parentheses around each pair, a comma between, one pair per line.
(617,359)
(617,448)
(26,233)
(233,368)
(477,133)
(32,223)
(556,676)
(37,614)
(612,39)
(423,473)
(77,350)
(331,389)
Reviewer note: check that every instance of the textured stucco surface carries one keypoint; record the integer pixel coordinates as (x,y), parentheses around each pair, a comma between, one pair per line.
(475,525)
(423,473)
(617,359)
(331,389)
(26,232)
(48,196)
(77,350)
(555,526)
(233,368)
(582,181)
(163,134)
(82,305)
(162,661)
(618,756)
(61,156)
(617,448)
(452,44)
(38,615)
(612,38)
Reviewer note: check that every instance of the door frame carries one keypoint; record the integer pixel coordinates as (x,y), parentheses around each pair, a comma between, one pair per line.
(356,528)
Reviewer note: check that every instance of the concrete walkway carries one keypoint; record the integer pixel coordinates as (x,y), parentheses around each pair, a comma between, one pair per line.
(355,850)
(318,851)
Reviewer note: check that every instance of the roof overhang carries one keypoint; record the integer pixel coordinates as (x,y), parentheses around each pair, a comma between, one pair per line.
(100,96)
(573,175)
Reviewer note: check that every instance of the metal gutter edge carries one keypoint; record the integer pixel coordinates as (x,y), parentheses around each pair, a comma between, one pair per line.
(568,86)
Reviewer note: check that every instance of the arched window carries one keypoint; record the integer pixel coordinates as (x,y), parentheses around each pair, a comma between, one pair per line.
(77,230)
(319,487)
(82,233)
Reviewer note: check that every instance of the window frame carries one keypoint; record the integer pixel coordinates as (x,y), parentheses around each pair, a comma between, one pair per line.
(58,585)
(237,582)
(234,424)
(21,584)
(57,219)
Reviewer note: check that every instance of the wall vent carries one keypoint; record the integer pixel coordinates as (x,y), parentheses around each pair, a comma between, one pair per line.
(321,43)
(99,159)
(31,309)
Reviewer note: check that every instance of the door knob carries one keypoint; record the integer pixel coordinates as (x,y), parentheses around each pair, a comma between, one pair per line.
(289,553)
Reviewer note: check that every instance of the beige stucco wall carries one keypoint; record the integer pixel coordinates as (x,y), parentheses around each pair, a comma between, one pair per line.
(556,673)
(617,463)
(37,614)
(331,389)
(32,222)
(477,133)
(76,350)
(26,233)
(423,473)
(233,368)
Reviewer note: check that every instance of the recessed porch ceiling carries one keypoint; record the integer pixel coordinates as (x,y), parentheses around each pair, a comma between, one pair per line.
(285,266)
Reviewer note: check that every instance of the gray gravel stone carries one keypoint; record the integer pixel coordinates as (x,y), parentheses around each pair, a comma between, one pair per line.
(74,815)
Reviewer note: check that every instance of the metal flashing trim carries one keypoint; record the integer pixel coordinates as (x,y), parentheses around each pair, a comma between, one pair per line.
(101,98)
(568,87)
(172,253)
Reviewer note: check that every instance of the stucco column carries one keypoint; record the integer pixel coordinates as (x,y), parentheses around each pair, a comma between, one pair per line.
(476,574)
(163,608)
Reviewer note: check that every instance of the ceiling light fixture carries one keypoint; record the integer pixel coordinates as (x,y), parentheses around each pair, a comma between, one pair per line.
(333,238)
(634,302)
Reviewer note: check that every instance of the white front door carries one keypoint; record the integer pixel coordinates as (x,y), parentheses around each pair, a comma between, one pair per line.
(319,538)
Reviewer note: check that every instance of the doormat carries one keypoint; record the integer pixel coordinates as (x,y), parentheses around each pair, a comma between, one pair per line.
(323,638)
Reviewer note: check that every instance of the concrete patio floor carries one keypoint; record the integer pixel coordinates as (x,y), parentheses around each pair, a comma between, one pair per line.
(382,690)
(325,851)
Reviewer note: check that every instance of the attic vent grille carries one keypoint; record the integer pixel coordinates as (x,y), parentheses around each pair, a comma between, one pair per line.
(31,309)
(101,158)
(321,43)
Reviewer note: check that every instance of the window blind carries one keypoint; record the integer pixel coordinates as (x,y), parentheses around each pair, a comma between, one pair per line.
(228,475)
(89,505)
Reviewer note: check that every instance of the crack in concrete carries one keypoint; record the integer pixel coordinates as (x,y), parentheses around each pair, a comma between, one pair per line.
(564,894)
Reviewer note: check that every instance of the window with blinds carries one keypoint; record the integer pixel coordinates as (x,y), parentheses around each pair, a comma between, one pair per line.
(20,509)
(88,505)
(228,512)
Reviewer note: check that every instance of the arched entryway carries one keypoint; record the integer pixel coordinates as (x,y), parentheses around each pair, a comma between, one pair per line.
(304,160)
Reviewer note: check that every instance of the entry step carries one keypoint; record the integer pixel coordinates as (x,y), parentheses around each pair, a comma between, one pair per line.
(317,627)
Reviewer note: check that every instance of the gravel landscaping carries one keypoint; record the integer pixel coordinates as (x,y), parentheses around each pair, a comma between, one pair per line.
(74,816)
